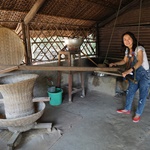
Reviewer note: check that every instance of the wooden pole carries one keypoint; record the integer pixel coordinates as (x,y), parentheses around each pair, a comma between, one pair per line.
(90,59)
(66,68)
(28,46)
(31,14)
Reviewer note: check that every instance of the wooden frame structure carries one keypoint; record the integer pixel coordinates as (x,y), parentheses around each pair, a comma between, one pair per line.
(43,43)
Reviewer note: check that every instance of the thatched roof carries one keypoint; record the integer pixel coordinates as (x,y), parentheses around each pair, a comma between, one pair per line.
(74,12)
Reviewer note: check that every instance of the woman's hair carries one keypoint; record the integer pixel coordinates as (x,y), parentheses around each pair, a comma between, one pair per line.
(135,42)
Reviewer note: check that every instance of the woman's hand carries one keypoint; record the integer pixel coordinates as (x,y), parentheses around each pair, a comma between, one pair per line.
(127,72)
(112,64)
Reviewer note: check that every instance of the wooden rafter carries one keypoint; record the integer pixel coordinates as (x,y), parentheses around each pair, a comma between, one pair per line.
(30,15)
(33,11)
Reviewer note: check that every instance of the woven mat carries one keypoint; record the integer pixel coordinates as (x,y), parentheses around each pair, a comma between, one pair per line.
(11,47)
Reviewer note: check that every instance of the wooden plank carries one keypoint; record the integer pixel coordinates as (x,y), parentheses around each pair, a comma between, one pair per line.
(36,99)
(43,126)
(109,73)
(5,69)
(12,140)
(62,68)
(40,99)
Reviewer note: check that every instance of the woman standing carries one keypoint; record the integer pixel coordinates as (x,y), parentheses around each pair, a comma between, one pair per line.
(136,58)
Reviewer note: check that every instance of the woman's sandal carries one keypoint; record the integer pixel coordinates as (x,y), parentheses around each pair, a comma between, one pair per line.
(122,111)
(136,119)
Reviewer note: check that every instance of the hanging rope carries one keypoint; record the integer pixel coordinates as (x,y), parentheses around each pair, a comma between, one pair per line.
(139,23)
(138,36)
(112,32)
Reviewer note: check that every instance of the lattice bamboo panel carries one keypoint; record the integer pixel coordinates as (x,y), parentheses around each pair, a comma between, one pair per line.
(48,40)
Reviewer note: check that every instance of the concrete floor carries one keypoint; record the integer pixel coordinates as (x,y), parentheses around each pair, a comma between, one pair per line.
(91,123)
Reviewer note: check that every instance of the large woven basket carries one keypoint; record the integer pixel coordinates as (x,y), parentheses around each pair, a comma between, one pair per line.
(23,123)
(17,92)
(12,48)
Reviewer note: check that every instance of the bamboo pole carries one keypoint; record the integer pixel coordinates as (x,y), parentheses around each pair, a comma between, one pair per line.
(89,59)
(31,14)
(66,68)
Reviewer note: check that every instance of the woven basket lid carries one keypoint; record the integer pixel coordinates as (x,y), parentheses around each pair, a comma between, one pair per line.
(11,47)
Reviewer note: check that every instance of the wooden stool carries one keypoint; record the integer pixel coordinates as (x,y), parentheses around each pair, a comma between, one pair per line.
(69,57)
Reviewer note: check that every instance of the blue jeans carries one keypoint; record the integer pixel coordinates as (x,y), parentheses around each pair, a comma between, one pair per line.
(143,78)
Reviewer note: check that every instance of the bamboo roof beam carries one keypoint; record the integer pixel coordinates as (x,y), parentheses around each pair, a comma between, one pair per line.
(33,11)
(30,15)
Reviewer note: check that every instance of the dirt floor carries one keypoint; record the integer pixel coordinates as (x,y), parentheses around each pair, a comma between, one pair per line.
(89,123)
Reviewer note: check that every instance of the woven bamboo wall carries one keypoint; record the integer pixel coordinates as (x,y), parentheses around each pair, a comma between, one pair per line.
(48,40)
(134,20)
(112,46)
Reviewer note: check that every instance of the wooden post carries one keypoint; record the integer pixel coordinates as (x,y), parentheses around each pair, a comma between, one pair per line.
(31,14)
(25,43)
(97,41)
(28,46)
